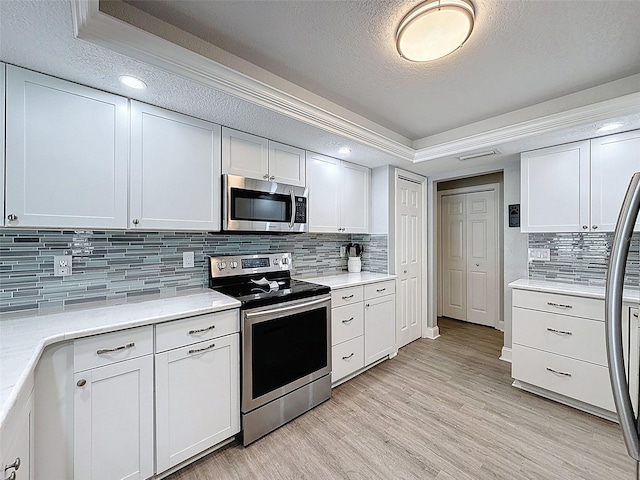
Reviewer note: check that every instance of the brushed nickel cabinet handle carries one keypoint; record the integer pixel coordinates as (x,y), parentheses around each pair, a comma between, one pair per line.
(200,330)
(347,297)
(272,177)
(559,305)
(347,321)
(265,176)
(136,221)
(560,332)
(594,227)
(348,356)
(585,227)
(557,372)
(110,350)
(81,383)
(198,350)
(15,465)
(12,218)
(635,314)
(380,290)
(12,476)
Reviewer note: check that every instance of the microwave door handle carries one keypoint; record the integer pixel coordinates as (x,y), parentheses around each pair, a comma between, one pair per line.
(293,208)
(613,316)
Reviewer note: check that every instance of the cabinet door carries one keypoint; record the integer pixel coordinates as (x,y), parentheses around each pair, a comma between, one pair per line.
(17,444)
(379,328)
(554,189)
(355,198)
(175,171)
(245,154)
(113,421)
(286,164)
(614,159)
(323,181)
(66,154)
(197,398)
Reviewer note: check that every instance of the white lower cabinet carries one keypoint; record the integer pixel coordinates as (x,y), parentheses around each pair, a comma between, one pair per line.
(113,421)
(197,399)
(17,443)
(379,327)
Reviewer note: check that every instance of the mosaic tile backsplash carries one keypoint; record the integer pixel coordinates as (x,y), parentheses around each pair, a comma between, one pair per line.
(581,258)
(111,266)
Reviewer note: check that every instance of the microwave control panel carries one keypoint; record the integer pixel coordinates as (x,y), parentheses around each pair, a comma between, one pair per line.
(301,210)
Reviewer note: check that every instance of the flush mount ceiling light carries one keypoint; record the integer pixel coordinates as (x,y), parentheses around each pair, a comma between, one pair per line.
(132,82)
(434,29)
(609,126)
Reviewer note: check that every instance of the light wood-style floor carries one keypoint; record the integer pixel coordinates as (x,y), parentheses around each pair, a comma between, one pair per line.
(442,409)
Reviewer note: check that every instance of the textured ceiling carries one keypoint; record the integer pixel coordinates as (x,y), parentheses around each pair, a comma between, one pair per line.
(519,54)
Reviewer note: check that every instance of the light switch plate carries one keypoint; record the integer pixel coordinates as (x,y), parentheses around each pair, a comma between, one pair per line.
(187,259)
(540,254)
(62,265)
(343,252)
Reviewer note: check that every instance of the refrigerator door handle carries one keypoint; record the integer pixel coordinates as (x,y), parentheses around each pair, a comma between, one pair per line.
(613,316)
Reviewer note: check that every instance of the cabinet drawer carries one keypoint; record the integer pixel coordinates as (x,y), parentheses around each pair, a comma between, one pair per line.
(179,333)
(583,381)
(346,296)
(347,322)
(555,303)
(379,289)
(570,336)
(108,348)
(346,358)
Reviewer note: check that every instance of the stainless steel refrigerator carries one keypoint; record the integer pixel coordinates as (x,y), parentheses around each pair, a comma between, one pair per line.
(618,371)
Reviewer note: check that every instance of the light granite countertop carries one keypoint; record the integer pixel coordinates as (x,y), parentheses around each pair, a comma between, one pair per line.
(23,337)
(346,279)
(630,294)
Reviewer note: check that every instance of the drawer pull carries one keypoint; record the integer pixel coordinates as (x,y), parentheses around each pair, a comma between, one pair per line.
(12,476)
(110,350)
(198,350)
(559,305)
(635,314)
(346,322)
(348,356)
(193,332)
(348,297)
(564,374)
(15,465)
(380,290)
(559,332)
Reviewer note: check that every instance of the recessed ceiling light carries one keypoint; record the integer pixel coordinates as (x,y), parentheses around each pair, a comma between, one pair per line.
(132,82)
(433,29)
(609,126)
(344,150)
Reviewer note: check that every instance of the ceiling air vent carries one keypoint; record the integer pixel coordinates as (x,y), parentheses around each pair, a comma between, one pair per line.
(486,153)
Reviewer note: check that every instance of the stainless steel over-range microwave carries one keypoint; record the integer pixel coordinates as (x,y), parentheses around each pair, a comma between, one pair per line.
(251,205)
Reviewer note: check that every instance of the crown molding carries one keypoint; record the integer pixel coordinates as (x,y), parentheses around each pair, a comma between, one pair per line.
(94,26)
(625,105)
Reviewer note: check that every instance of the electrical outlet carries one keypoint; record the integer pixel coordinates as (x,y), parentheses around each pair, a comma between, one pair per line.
(343,252)
(540,254)
(187,259)
(62,265)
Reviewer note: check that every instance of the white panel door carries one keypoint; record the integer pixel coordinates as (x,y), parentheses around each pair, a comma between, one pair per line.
(197,399)
(409,218)
(454,257)
(481,258)
(67,149)
(245,154)
(175,171)
(2,124)
(323,181)
(555,189)
(113,421)
(614,159)
(379,327)
(355,198)
(286,164)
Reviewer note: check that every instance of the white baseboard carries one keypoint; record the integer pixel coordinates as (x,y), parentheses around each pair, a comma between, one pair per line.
(506,354)
(431,333)
(500,325)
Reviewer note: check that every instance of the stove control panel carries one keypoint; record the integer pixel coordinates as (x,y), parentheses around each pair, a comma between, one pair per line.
(249,264)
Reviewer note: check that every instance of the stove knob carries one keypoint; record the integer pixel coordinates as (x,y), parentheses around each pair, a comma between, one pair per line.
(222,265)
(276,261)
(285,260)
(233,264)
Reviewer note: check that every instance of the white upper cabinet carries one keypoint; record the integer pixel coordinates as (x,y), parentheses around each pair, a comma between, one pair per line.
(339,195)
(256,157)
(66,154)
(175,171)
(614,159)
(554,189)
(578,187)
(286,164)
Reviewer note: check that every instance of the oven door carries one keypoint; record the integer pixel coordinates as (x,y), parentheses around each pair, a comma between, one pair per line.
(259,206)
(284,347)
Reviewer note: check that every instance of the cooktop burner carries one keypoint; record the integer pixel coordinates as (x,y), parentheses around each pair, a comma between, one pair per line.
(257,280)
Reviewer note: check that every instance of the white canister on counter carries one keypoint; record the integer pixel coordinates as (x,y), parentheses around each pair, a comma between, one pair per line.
(354,265)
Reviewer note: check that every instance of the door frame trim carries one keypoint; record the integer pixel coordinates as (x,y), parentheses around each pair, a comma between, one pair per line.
(495,187)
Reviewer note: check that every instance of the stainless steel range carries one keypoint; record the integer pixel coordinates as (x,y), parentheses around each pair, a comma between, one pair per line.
(286,339)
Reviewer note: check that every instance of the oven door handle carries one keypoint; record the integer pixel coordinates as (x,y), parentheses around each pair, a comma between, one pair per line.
(298,306)
(293,208)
